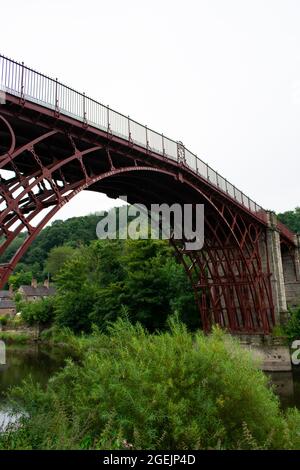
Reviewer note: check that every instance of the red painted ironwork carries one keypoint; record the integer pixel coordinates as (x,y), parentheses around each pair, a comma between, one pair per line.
(55,142)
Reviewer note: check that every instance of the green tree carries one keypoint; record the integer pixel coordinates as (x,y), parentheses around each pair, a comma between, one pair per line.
(291,219)
(38,312)
(20,278)
(57,257)
(292,328)
(146,286)
(76,293)
(142,276)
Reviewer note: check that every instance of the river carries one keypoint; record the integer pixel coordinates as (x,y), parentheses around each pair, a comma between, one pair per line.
(41,362)
(21,362)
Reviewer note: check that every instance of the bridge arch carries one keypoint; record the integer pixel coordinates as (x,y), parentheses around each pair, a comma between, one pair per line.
(56,142)
(218,302)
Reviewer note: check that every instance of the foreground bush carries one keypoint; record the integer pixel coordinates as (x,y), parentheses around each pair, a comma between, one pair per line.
(171,390)
(40,311)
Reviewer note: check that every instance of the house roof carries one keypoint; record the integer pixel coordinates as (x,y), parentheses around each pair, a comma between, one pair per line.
(7,304)
(39,291)
(5,294)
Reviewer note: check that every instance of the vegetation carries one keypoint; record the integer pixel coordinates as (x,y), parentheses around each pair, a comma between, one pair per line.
(40,312)
(99,281)
(292,329)
(13,337)
(20,278)
(291,219)
(73,232)
(3,320)
(137,380)
(142,276)
(57,257)
(172,390)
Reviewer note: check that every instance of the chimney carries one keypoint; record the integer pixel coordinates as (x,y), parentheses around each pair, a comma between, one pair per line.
(34,283)
(46,283)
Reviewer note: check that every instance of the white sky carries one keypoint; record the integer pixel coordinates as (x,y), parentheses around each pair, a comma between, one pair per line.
(223,76)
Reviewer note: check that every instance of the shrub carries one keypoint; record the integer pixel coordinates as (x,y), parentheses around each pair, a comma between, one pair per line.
(164,391)
(3,320)
(37,312)
(292,328)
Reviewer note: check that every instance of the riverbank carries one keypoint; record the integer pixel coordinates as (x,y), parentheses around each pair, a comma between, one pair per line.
(61,337)
(19,336)
(272,353)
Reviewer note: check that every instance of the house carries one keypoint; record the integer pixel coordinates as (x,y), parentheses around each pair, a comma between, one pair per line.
(6,294)
(7,303)
(35,292)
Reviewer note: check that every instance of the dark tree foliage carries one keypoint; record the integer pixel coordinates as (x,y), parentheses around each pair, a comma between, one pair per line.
(73,232)
(141,277)
(20,278)
(291,219)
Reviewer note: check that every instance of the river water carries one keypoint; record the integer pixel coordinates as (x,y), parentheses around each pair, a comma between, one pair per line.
(41,363)
(24,361)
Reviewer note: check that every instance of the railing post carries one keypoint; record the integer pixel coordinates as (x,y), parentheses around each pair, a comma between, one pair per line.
(108,123)
(22,94)
(84,108)
(180,152)
(163,145)
(56,97)
(129,130)
(147,141)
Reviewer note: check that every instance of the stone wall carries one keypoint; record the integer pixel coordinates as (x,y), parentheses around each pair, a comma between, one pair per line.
(291,270)
(271,352)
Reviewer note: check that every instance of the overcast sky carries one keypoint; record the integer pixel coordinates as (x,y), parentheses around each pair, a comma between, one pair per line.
(223,76)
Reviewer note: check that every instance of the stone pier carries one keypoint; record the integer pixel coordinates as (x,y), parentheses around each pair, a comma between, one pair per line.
(272,353)
(291,272)
(272,261)
(282,261)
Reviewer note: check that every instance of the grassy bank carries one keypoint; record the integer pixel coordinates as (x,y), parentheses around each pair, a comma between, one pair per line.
(174,390)
(16,337)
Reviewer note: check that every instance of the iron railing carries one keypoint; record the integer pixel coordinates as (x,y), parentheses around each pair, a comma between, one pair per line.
(19,80)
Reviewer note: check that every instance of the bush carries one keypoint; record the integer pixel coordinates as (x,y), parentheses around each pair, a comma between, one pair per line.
(37,312)
(163,391)
(292,328)
(3,320)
